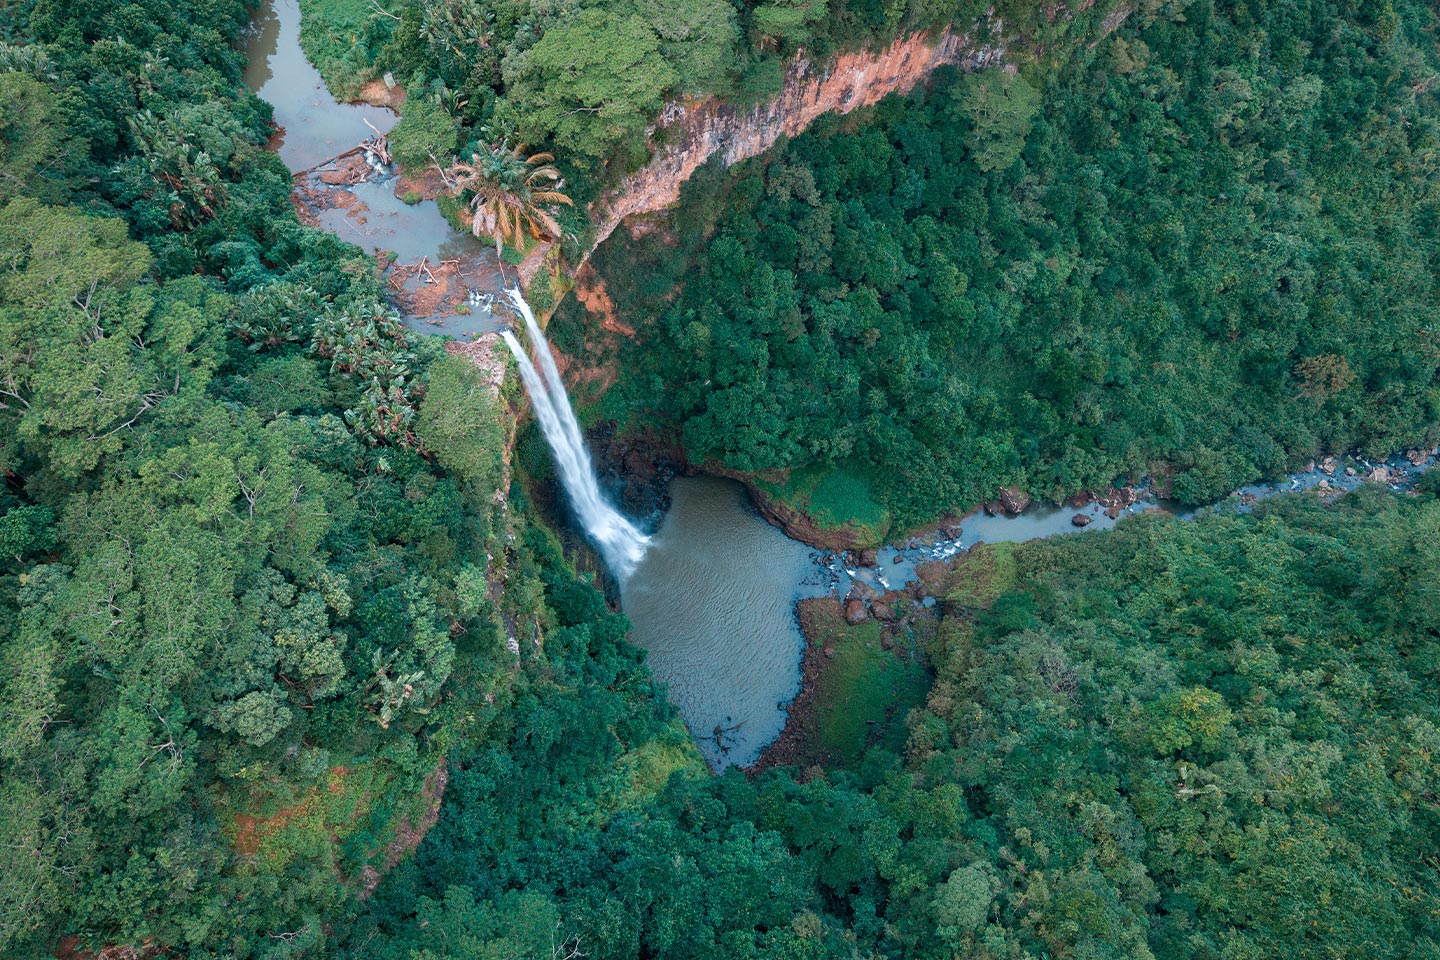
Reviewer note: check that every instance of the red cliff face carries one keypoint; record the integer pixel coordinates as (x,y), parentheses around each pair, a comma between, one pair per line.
(696,131)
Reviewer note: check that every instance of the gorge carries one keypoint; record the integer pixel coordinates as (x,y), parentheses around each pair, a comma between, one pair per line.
(713,602)
(805,524)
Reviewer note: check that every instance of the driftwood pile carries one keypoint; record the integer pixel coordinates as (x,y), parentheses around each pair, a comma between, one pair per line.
(379,145)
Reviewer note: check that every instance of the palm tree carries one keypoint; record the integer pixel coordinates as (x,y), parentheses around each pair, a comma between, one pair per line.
(510,193)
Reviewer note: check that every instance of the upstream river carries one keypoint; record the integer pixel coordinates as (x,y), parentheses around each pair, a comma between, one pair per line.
(713,602)
(313,127)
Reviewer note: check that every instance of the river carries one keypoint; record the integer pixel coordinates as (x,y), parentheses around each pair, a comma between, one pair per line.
(313,128)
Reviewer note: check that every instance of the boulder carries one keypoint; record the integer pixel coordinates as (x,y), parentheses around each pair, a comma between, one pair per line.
(868,557)
(854,613)
(887,642)
(1014,500)
(861,591)
(951,531)
(883,611)
(1350,471)
(1080,520)
(992,508)
(1416,457)
(1113,511)
(1081,499)
(1328,465)
(1378,474)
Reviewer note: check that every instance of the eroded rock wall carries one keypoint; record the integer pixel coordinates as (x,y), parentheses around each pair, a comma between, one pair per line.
(695,131)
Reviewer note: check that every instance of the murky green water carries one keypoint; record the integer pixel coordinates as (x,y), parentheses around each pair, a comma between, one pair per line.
(714,604)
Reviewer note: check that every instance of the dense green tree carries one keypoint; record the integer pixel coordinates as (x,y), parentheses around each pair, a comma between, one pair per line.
(589,84)
(1166,252)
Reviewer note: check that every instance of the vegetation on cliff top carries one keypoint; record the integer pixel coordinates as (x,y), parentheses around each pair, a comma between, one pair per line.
(588,80)
(233,589)
(1214,245)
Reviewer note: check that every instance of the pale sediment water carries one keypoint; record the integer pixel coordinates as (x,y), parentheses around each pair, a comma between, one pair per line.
(313,126)
(713,603)
(619,541)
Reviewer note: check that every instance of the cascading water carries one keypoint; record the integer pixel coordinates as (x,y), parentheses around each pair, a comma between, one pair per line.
(619,541)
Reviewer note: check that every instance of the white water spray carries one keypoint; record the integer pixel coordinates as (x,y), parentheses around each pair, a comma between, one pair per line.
(619,541)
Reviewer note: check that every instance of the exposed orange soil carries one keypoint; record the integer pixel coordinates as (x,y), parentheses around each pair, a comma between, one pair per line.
(251,831)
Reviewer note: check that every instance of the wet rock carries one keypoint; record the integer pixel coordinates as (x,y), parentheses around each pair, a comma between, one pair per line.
(1416,457)
(1113,511)
(861,592)
(951,531)
(1080,520)
(1328,465)
(993,508)
(868,557)
(883,611)
(1082,499)
(1378,474)
(1350,471)
(1014,500)
(917,589)
(855,613)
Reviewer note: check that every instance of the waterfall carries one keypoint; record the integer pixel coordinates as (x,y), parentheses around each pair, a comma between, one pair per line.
(619,541)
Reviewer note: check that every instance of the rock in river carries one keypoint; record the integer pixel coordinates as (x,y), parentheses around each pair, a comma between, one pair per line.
(855,612)
(1014,499)
(1080,520)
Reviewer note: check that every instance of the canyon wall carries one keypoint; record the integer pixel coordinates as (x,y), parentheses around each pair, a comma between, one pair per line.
(695,131)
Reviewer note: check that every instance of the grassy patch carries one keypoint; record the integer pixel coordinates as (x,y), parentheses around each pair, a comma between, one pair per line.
(864,691)
(983,574)
(342,38)
(308,826)
(834,499)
